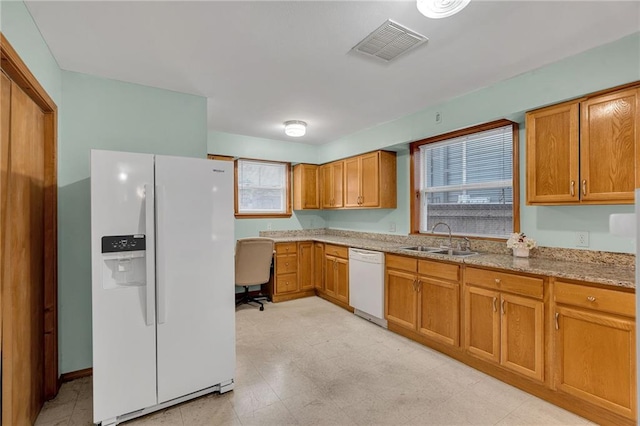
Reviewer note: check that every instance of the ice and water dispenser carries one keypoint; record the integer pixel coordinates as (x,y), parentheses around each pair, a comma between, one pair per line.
(124,261)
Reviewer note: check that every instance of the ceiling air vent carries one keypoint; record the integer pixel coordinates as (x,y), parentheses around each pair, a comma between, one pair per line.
(389,41)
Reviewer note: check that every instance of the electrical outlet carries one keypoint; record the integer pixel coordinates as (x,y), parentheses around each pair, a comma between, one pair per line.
(582,239)
(438,117)
(392,227)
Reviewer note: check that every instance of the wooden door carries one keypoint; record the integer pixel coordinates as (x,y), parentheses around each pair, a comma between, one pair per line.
(337,170)
(318,266)
(439,310)
(370,180)
(305,265)
(342,279)
(552,155)
(23,279)
(330,266)
(522,335)
(595,358)
(608,135)
(401,300)
(352,182)
(482,323)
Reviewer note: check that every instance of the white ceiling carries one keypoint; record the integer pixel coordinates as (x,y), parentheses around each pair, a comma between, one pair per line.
(261,63)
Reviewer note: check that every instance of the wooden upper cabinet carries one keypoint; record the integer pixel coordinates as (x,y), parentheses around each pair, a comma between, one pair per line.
(306,193)
(331,185)
(370,180)
(609,131)
(584,151)
(552,154)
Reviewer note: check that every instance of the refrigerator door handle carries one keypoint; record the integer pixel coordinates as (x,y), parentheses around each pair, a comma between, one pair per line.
(160,263)
(150,253)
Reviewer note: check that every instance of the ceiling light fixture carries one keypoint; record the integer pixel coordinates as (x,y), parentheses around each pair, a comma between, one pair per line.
(295,128)
(441,8)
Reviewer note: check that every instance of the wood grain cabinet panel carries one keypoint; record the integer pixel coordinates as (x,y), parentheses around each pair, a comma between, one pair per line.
(504,320)
(584,151)
(595,346)
(439,310)
(294,271)
(336,274)
(331,176)
(305,265)
(401,301)
(306,189)
(370,180)
(318,266)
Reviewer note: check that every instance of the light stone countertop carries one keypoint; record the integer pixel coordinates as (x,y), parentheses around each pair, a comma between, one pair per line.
(610,275)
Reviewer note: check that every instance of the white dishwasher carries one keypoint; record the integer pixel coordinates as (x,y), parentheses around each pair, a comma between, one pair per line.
(366,284)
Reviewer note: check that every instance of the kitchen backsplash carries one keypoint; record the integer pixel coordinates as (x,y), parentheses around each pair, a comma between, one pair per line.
(486,246)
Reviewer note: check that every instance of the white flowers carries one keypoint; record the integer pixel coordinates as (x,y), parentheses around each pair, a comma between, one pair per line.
(521,241)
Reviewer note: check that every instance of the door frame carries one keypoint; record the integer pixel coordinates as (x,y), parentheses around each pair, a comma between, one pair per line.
(13,66)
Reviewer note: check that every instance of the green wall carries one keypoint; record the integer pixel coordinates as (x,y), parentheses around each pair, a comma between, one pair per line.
(107,114)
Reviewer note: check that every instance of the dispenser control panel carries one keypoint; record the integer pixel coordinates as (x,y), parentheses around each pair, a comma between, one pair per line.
(120,243)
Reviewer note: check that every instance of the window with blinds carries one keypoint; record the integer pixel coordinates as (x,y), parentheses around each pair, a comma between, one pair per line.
(467,182)
(262,188)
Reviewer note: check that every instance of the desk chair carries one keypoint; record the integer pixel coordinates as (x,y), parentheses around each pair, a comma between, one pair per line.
(253,265)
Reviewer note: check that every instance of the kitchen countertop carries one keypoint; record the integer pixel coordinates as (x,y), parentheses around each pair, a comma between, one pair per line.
(610,275)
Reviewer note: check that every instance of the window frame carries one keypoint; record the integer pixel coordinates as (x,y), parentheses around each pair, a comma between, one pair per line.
(414,194)
(240,215)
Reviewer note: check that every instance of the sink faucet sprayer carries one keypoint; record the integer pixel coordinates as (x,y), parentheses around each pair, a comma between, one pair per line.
(433,228)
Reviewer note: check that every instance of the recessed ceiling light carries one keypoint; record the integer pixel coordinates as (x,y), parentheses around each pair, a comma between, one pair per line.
(441,8)
(295,128)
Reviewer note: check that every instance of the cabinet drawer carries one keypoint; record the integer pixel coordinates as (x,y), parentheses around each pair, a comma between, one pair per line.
(286,283)
(338,251)
(598,299)
(286,264)
(403,263)
(286,248)
(445,271)
(512,283)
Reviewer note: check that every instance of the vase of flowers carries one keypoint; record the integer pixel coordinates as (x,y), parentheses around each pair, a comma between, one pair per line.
(521,244)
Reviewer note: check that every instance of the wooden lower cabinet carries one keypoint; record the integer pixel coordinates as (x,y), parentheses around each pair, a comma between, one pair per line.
(502,327)
(423,297)
(336,275)
(318,266)
(293,272)
(595,346)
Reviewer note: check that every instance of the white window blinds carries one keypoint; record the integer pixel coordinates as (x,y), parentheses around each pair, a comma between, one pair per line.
(262,187)
(467,182)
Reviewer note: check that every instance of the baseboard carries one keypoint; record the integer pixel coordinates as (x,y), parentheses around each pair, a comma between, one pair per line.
(73,375)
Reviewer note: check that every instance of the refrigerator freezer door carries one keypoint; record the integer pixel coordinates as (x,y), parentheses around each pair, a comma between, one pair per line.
(195,275)
(124,335)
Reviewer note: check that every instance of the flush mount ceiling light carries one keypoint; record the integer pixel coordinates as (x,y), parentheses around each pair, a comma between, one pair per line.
(295,128)
(441,8)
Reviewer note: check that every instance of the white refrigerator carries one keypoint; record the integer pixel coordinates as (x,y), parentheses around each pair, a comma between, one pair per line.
(162,241)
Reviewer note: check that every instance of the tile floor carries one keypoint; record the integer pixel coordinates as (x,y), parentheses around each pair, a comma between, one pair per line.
(308,362)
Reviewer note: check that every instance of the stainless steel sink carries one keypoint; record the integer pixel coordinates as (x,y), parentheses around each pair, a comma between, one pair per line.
(440,250)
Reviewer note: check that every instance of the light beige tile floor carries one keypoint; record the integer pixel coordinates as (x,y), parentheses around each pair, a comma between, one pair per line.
(308,362)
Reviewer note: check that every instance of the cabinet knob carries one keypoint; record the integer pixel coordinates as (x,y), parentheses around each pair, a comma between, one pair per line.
(286,264)
(591,298)
(497,280)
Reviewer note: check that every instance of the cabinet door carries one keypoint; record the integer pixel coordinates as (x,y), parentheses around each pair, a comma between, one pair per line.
(305,265)
(326,193)
(401,300)
(330,285)
(552,155)
(438,310)
(482,323)
(370,180)
(318,266)
(337,170)
(305,187)
(522,335)
(595,358)
(352,182)
(342,280)
(608,134)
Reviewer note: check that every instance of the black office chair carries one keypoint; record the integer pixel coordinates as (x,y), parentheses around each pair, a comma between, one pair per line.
(253,266)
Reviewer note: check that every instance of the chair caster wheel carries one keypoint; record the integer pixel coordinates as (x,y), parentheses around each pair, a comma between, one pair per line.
(262,308)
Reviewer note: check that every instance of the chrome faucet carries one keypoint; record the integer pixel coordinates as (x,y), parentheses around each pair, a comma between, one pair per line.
(433,228)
